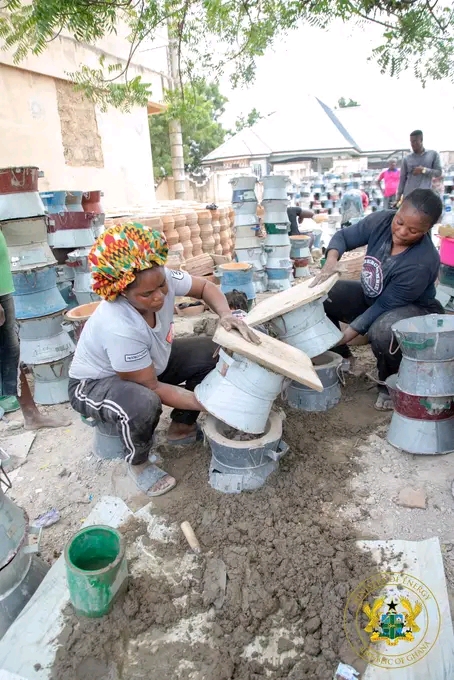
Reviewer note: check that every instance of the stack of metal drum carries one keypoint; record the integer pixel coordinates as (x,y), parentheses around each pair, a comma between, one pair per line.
(269,256)
(45,347)
(423,390)
(42,232)
(21,570)
(279,267)
(300,255)
(75,220)
(248,247)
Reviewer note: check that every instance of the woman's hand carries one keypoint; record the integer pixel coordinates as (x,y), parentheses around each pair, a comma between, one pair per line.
(324,275)
(330,267)
(229,321)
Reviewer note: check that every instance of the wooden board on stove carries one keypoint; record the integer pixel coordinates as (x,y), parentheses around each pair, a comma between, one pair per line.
(272,354)
(288,300)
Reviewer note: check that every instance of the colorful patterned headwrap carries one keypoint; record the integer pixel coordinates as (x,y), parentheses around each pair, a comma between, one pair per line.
(122,251)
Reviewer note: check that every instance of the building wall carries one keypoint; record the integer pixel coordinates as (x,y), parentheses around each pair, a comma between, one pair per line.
(344,166)
(296,171)
(45,122)
(202,194)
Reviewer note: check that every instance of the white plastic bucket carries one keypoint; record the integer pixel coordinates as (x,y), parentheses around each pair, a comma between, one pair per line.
(239,392)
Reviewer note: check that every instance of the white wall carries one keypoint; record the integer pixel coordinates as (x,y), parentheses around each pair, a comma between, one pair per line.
(32,130)
(31,134)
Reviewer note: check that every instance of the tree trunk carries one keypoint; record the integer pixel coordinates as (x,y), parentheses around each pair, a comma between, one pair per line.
(176,139)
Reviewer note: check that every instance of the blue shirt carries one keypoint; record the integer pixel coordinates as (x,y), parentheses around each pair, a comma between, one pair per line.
(388,281)
(351,205)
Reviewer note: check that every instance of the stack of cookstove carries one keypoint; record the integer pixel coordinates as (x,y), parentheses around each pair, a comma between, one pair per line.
(248,247)
(75,219)
(45,347)
(300,255)
(21,571)
(279,267)
(423,390)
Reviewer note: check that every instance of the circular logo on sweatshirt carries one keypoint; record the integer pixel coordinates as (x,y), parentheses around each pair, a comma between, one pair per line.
(372,276)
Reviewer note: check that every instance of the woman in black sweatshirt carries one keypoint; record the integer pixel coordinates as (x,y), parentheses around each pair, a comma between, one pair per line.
(397,280)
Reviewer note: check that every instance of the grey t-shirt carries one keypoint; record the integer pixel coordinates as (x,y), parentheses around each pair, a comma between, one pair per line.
(116,338)
(408,181)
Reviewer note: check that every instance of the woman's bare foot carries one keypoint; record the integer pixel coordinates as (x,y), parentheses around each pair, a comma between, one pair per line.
(150,479)
(37,421)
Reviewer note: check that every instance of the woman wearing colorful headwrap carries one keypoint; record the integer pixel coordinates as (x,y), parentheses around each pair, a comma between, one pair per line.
(127,363)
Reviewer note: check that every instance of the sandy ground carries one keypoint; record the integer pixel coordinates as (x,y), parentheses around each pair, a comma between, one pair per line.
(288,548)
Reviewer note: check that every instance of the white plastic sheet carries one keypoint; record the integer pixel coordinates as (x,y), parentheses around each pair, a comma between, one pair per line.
(423,561)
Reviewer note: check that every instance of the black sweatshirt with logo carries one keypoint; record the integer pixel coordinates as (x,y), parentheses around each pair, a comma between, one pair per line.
(388,281)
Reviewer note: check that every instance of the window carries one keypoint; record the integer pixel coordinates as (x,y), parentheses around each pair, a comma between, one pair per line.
(257,170)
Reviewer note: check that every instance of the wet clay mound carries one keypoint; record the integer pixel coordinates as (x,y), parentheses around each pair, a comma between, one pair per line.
(286,553)
(290,563)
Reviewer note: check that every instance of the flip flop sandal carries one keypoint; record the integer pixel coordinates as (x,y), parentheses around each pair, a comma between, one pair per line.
(150,476)
(9,404)
(187,441)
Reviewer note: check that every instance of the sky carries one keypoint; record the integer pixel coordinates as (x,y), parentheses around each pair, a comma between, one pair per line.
(333,64)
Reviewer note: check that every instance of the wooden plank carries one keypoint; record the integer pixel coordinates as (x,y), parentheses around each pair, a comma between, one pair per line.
(272,354)
(288,300)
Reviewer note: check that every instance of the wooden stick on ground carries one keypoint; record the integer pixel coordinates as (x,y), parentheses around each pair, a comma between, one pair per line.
(191,537)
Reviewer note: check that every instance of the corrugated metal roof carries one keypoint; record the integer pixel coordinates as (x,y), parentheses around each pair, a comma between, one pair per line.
(313,127)
(242,145)
(372,132)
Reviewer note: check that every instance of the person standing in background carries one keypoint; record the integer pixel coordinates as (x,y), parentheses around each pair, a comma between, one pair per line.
(419,168)
(353,205)
(391,178)
(296,215)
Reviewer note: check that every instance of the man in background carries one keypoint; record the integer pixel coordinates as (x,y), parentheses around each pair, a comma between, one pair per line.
(296,215)
(391,178)
(419,168)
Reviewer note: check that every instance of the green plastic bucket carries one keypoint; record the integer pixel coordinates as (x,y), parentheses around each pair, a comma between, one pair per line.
(96,569)
(276,228)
